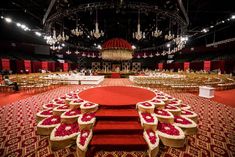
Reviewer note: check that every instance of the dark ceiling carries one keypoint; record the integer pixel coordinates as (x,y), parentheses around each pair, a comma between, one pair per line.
(117,19)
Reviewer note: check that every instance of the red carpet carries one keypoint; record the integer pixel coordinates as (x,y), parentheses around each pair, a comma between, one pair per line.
(116,95)
(7,98)
(226,97)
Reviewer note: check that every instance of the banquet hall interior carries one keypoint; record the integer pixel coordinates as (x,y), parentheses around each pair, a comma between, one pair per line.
(117,78)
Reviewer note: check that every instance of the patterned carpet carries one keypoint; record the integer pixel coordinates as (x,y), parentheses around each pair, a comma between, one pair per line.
(17,128)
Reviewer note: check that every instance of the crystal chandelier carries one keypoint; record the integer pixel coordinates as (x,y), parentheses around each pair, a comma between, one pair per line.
(77,32)
(138,35)
(62,38)
(97,33)
(169,36)
(157,32)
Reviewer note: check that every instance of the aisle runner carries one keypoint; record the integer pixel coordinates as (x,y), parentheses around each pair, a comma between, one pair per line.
(17,129)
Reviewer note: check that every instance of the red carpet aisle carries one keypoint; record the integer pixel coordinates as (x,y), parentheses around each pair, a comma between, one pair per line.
(17,129)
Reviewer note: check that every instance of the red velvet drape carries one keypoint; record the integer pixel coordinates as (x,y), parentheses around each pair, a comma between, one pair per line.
(27,65)
(51,66)
(207,65)
(5,64)
(160,66)
(186,65)
(36,65)
(65,67)
(44,65)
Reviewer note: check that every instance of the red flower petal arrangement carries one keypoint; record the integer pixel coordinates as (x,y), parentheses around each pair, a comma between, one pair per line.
(152,140)
(46,126)
(187,125)
(146,106)
(171,128)
(64,122)
(63,135)
(88,107)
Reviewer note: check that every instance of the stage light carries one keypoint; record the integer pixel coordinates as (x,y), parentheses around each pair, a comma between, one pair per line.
(211,26)
(233,17)
(99,47)
(63,44)
(23,26)
(8,20)
(2,17)
(38,34)
(133,47)
(18,24)
(205,30)
(168,45)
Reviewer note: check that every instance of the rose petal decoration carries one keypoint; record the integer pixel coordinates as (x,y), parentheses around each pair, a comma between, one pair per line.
(51,120)
(87,117)
(147,104)
(78,101)
(83,137)
(63,107)
(147,117)
(88,104)
(161,112)
(170,107)
(181,120)
(152,136)
(155,101)
(168,129)
(67,129)
(72,112)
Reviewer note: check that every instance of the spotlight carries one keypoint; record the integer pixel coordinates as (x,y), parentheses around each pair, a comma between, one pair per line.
(63,44)
(8,20)
(99,47)
(133,47)
(23,26)
(233,17)
(205,30)
(2,17)
(38,34)
(18,24)
(168,45)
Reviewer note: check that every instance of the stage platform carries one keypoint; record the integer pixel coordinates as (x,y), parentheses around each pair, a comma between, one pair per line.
(116,96)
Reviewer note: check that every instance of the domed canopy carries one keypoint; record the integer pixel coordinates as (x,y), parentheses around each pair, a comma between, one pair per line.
(117,43)
(117,49)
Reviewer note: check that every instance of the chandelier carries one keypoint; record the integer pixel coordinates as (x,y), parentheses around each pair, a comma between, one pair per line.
(77,32)
(117,49)
(138,35)
(51,40)
(157,32)
(97,33)
(169,36)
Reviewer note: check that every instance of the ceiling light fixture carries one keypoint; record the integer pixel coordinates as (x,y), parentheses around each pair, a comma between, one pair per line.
(139,35)
(8,20)
(97,33)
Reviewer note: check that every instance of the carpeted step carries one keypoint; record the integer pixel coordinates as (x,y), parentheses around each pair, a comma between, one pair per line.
(117,114)
(110,141)
(117,127)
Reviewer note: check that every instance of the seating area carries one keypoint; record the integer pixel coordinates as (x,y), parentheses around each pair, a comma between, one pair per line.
(185,82)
